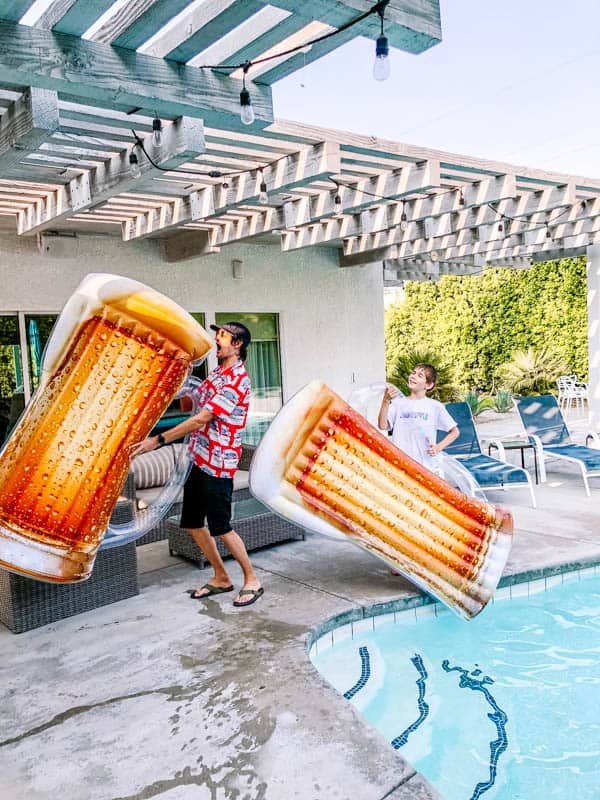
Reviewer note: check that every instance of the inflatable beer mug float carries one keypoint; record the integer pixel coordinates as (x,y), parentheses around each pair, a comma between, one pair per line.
(117,356)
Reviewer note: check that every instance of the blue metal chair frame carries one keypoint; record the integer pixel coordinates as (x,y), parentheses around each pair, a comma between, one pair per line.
(543,421)
(488,472)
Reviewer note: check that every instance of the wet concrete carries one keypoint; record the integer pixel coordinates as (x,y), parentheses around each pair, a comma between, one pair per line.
(162,697)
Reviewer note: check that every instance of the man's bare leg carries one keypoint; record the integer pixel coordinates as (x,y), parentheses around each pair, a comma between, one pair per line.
(207,544)
(237,548)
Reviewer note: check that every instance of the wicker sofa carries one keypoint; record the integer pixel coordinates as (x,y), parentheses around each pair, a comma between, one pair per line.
(26,603)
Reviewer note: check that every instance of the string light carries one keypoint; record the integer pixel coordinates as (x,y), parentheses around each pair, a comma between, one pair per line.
(263,197)
(403,219)
(337,198)
(381,66)
(246,110)
(381,69)
(134,165)
(157,133)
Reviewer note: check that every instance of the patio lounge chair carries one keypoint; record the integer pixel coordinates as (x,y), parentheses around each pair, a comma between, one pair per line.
(545,426)
(490,473)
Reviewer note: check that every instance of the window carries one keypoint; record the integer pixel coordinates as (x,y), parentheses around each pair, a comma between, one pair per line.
(264,368)
(37,329)
(11,374)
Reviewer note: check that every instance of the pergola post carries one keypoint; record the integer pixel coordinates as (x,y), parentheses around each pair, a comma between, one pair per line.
(593,312)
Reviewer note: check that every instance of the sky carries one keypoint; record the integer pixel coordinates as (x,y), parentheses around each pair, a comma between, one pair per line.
(516,81)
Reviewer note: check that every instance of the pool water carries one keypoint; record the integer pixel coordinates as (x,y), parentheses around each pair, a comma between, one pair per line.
(506,706)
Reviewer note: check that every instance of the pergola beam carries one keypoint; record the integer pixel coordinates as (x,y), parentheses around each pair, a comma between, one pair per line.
(182,142)
(382,226)
(28,123)
(287,173)
(97,74)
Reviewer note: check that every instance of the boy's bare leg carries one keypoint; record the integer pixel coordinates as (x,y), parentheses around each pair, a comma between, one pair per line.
(207,544)
(237,548)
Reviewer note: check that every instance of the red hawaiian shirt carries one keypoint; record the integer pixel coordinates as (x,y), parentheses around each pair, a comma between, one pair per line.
(217,446)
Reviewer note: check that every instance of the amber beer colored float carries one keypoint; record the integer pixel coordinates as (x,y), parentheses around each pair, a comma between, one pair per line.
(117,356)
(325,468)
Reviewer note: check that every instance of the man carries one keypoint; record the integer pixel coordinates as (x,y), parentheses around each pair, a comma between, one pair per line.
(216,446)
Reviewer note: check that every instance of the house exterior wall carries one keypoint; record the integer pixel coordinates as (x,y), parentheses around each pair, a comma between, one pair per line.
(331,319)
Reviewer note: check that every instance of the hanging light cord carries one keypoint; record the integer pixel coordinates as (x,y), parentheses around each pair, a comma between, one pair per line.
(214,173)
(378,8)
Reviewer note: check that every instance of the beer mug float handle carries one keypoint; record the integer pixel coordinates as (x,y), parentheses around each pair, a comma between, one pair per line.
(148,518)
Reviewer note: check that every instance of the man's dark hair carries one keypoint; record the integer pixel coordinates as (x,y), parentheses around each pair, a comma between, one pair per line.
(430,373)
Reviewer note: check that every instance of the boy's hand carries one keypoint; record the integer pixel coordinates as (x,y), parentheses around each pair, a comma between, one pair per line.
(390,393)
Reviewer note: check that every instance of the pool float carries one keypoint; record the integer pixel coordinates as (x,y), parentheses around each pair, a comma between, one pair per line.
(322,466)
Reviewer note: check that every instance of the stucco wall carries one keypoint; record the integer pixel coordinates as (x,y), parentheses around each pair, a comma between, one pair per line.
(331,319)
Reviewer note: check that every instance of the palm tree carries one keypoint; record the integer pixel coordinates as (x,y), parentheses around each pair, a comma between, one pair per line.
(532,371)
(399,370)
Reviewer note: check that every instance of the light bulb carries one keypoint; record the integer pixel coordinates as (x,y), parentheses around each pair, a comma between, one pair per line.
(156,132)
(134,165)
(381,67)
(246,110)
(263,197)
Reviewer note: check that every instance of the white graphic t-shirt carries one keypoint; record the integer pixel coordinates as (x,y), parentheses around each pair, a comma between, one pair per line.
(415,423)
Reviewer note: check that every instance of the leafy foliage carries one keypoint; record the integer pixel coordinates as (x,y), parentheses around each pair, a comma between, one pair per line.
(477,402)
(531,371)
(476,323)
(502,401)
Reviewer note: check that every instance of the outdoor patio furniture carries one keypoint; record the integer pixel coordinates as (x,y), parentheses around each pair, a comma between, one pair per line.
(254,522)
(488,472)
(592,440)
(543,421)
(571,392)
(26,603)
(150,471)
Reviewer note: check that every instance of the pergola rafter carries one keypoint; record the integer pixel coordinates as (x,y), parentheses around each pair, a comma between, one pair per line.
(69,108)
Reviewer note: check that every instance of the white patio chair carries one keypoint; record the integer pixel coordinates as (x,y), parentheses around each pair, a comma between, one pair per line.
(571,392)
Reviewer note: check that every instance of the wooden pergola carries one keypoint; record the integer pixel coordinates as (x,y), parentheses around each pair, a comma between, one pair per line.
(78,97)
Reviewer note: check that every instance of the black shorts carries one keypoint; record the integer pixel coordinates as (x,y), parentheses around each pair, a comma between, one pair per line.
(207,501)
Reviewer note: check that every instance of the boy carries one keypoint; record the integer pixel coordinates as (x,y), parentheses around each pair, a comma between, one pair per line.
(415,420)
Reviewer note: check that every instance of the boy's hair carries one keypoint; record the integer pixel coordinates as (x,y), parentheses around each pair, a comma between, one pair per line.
(430,373)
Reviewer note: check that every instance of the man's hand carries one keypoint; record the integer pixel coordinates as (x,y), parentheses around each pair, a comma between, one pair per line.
(145,446)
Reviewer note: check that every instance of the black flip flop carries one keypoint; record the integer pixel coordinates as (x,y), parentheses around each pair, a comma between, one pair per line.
(211,590)
(256,594)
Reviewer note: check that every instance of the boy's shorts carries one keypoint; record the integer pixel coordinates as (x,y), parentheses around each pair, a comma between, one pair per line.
(207,502)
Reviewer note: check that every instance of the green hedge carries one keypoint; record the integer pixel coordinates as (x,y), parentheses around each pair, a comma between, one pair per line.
(476,323)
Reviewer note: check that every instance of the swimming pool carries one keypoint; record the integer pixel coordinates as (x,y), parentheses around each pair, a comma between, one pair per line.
(504,706)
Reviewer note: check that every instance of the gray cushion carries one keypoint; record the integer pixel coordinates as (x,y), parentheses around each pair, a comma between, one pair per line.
(155,468)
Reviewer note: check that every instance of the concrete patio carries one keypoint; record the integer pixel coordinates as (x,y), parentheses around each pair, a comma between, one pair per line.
(158,696)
